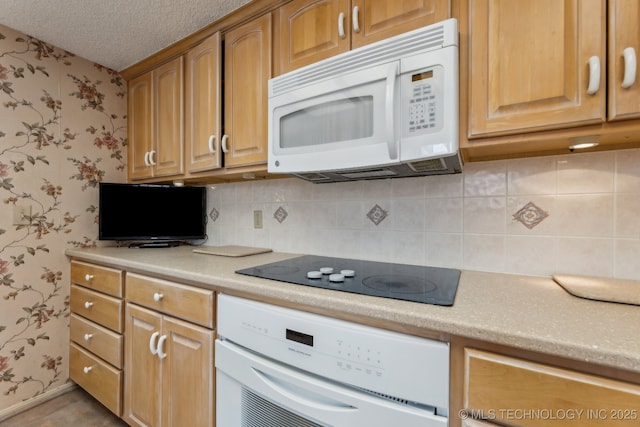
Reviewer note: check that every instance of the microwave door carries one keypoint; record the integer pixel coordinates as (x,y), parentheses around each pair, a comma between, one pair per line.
(345,121)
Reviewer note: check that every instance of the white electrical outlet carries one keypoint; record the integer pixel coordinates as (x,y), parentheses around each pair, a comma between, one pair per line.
(257,219)
(21,214)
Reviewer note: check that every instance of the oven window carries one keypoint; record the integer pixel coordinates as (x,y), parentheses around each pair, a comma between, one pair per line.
(336,121)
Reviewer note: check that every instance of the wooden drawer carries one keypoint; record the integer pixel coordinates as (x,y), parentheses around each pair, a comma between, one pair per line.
(103,279)
(97,377)
(98,340)
(521,393)
(100,308)
(185,302)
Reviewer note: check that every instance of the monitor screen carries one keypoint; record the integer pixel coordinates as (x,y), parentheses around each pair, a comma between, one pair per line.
(152,212)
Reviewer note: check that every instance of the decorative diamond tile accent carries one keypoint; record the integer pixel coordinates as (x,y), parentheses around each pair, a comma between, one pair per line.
(377,214)
(530,215)
(280,214)
(214,214)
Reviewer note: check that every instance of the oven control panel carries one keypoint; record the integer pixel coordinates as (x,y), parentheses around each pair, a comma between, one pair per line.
(405,366)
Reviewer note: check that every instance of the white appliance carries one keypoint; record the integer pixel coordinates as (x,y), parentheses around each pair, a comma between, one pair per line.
(281,367)
(388,109)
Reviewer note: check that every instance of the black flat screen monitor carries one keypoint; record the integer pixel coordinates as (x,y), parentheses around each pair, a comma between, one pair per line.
(152,213)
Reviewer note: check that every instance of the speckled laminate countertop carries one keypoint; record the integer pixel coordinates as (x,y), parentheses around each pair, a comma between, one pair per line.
(531,313)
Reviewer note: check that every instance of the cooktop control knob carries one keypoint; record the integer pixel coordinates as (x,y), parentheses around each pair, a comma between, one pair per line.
(326,270)
(314,275)
(336,277)
(348,273)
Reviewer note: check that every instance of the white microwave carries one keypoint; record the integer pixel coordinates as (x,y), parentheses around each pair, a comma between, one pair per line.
(385,110)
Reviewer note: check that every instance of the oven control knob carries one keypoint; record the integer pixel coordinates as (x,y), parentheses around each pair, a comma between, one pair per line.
(314,275)
(336,277)
(326,270)
(348,273)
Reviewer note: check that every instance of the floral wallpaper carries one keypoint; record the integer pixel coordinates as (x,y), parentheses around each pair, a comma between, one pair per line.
(62,131)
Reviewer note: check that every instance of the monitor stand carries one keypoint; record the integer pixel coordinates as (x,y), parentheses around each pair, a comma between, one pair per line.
(169,244)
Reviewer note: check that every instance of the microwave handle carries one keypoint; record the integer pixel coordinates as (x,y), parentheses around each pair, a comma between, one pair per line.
(389,107)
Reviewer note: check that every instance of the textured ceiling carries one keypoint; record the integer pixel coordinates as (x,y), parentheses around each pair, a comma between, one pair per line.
(113,33)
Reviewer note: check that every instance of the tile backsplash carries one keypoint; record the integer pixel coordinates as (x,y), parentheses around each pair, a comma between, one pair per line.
(575,214)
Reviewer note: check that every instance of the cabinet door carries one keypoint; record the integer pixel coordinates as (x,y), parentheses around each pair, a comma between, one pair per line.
(529,64)
(187,374)
(247,71)
(203,105)
(142,380)
(375,20)
(168,122)
(309,32)
(624,20)
(139,127)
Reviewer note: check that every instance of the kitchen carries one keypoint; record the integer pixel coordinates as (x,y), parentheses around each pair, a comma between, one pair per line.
(583,206)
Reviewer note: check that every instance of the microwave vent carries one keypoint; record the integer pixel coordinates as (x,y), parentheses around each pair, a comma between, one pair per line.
(313,176)
(429,165)
(370,173)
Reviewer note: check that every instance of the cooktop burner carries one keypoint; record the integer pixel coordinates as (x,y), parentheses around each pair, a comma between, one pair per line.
(429,285)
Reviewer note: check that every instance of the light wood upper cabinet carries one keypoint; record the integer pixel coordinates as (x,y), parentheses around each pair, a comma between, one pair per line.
(529,64)
(203,112)
(139,126)
(624,21)
(156,122)
(309,32)
(247,72)
(313,30)
(380,19)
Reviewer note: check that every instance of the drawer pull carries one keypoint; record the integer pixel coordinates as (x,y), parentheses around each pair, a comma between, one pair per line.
(161,341)
(87,337)
(88,277)
(157,296)
(87,369)
(88,304)
(152,343)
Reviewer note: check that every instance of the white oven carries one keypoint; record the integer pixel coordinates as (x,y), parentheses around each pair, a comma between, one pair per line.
(280,367)
(388,109)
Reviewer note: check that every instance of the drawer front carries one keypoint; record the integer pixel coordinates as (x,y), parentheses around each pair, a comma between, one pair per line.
(97,377)
(185,302)
(100,308)
(98,340)
(521,393)
(102,279)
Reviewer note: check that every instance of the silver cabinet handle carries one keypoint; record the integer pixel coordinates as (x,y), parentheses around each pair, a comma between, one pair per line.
(88,304)
(88,277)
(151,161)
(87,337)
(212,149)
(87,369)
(157,296)
(146,159)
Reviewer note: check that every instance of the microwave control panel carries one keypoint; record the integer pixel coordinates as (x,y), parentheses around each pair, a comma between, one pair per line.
(422,93)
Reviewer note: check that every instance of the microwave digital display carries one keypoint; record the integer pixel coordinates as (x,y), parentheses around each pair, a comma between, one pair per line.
(422,76)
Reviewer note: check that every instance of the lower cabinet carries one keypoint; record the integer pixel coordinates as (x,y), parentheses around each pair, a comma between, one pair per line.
(508,391)
(169,365)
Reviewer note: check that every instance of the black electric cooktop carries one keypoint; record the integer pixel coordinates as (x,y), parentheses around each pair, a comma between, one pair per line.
(428,285)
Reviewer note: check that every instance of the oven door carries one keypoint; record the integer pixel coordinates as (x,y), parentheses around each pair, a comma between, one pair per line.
(342,122)
(252,391)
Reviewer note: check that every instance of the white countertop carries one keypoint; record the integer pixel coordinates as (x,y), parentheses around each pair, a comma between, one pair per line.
(531,313)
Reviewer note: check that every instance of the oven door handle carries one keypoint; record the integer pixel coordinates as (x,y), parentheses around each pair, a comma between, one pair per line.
(301,395)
